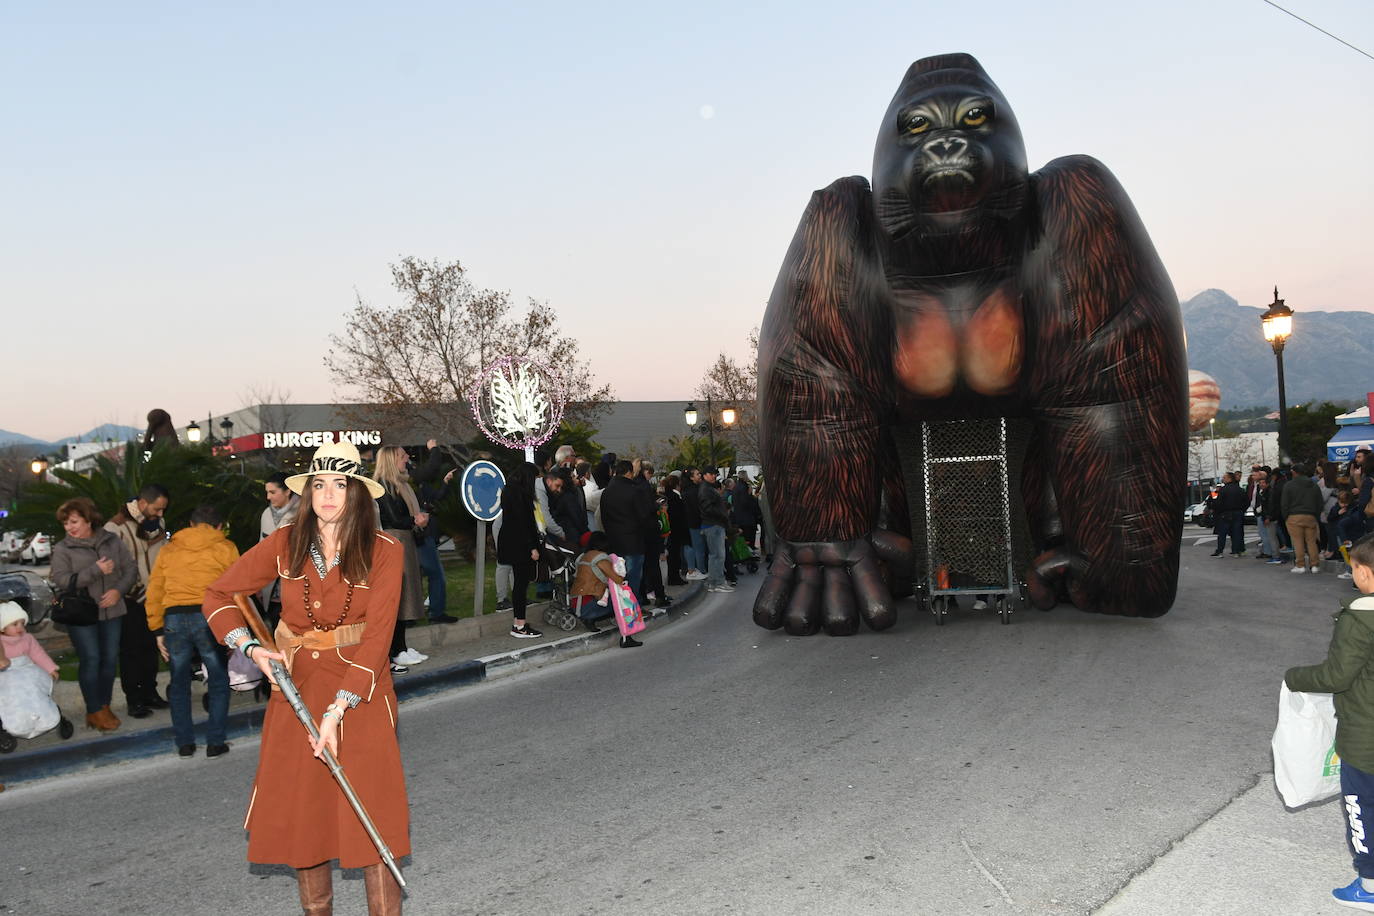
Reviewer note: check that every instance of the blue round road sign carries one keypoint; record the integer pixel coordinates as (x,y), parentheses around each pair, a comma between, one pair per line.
(482,483)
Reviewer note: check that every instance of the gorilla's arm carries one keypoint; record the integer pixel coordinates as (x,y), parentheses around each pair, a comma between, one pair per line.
(823,368)
(1109,385)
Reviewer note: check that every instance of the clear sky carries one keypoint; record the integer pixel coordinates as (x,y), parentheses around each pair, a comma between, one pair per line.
(194,192)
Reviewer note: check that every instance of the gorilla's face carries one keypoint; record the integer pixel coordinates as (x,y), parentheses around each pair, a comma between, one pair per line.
(946,154)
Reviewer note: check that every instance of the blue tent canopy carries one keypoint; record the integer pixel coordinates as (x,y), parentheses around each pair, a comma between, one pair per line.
(1342,446)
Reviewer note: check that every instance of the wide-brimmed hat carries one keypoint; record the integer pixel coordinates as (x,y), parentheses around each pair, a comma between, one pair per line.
(10,612)
(335,458)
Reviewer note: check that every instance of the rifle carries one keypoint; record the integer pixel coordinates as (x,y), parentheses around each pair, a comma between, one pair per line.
(293,696)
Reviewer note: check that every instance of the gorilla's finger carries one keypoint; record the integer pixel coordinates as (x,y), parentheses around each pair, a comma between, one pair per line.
(875,602)
(893,548)
(776,589)
(802,617)
(838,614)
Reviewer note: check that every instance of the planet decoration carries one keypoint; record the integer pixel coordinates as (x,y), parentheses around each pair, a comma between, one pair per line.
(1204,398)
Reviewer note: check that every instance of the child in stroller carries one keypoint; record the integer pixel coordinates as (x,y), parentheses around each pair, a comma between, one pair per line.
(27,674)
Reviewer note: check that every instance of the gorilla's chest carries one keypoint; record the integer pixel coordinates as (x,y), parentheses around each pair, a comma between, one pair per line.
(962,341)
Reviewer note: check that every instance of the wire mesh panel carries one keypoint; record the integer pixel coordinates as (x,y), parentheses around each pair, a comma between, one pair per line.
(968,542)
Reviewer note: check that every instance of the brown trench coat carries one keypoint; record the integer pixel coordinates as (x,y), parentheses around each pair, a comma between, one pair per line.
(297,815)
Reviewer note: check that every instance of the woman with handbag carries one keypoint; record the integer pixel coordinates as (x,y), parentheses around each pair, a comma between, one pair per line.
(340,582)
(91,571)
(400,515)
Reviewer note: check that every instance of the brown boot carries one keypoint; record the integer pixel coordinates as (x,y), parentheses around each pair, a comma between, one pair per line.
(317,890)
(110,717)
(383,893)
(102,719)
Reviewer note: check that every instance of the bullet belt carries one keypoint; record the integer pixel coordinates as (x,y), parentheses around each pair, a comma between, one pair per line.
(289,643)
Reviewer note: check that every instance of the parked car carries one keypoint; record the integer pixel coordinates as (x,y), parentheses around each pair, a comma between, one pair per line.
(28,591)
(1202,516)
(11,543)
(37,550)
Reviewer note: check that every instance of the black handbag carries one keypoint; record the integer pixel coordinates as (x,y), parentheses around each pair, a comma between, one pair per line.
(74,607)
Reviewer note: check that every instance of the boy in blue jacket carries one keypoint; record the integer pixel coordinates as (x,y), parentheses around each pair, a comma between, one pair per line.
(1348,674)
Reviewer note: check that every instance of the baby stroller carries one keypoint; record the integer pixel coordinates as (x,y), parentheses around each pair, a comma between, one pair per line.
(26,702)
(742,553)
(562,566)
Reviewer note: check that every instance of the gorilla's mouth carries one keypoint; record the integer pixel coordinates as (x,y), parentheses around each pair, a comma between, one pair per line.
(949,175)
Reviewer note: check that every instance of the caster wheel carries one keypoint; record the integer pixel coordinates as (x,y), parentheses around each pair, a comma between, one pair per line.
(568,621)
(550,616)
(64,728)
(7,742)
(1004,609)
(937,607)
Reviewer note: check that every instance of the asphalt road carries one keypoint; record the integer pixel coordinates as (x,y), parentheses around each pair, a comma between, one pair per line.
(970,768)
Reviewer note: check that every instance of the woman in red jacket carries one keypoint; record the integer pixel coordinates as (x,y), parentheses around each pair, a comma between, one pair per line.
(340,584)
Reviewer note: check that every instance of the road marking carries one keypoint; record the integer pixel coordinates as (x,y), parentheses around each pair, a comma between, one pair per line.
(986,874)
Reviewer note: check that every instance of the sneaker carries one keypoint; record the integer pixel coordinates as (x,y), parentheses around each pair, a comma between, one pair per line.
(443,618)
(398,669)
(1274,561)
(1314,569)
(1238,555)
(1217,554)
(1354,896)
(629,642)
(503,605)
(410,657)
(1298,569)
(720,588)
(979,604)
(216,750)
(525,632)
(1345,575)
(693,575)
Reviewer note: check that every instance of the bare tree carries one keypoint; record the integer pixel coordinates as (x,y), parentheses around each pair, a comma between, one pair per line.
(417,361)
(275,413)
(730,384)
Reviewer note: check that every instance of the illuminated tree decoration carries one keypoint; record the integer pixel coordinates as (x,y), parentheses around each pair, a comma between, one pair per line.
(518,402)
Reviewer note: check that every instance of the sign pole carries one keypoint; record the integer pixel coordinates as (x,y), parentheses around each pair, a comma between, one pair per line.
(480,565)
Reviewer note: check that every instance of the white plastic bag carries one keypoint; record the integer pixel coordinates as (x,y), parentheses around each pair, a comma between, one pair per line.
(1306,766)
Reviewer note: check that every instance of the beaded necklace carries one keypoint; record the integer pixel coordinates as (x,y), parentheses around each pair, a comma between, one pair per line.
(318,560)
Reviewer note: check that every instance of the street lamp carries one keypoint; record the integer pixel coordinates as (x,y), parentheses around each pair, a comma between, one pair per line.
(728,415)
(193,432)
(1277,323)
(39,465)
(1216,464)
(227,428)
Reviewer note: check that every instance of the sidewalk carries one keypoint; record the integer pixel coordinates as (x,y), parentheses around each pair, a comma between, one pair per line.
(467,652)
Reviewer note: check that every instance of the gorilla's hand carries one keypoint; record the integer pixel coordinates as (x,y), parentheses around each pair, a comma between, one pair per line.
(829,584)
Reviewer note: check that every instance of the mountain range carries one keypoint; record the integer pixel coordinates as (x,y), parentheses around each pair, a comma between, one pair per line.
(98,434)
(1329,357)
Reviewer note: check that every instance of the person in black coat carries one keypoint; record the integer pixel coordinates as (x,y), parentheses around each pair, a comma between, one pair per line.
(1229,513)
(519,542)
(625,506)
(652,579)
(678,535)
(744,510)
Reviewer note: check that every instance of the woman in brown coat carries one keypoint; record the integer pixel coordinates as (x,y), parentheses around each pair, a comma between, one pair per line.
(340,583)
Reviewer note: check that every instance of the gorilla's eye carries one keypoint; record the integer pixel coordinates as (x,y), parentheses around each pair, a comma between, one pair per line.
(915,124)
(975,117)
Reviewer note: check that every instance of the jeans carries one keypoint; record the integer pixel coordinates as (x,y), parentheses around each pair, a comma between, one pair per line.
(97,653)
(187,634)
(714,536)
(634,573)
(428,552)
(1351,526)
(698,558)
(1266,545)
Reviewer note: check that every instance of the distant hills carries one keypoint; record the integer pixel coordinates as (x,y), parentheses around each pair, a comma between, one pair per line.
(1330,356)
(98,434)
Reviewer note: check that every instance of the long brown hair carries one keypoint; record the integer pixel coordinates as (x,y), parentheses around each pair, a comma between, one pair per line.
(357,532)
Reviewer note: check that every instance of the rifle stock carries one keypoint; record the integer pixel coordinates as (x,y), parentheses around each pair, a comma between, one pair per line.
(254,621)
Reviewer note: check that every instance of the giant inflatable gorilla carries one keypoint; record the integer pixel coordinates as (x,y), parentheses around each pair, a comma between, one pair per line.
(961,286)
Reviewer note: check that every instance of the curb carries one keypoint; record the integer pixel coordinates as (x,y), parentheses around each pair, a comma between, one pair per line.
(30,766)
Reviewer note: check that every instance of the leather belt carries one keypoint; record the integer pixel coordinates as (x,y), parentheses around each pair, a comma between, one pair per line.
(289,643)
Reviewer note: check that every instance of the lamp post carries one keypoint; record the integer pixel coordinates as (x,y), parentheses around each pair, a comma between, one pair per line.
(39,465)
(1216,463)
(1277,323)
(728,416)
(193,432)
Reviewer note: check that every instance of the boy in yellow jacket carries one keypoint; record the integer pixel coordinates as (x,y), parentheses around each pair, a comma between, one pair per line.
(195,557)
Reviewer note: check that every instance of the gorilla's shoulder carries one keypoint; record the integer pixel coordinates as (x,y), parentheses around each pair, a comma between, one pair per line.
(1079,185)
(843,198)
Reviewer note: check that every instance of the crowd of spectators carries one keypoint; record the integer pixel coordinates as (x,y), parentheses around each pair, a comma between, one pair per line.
(1303,513)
